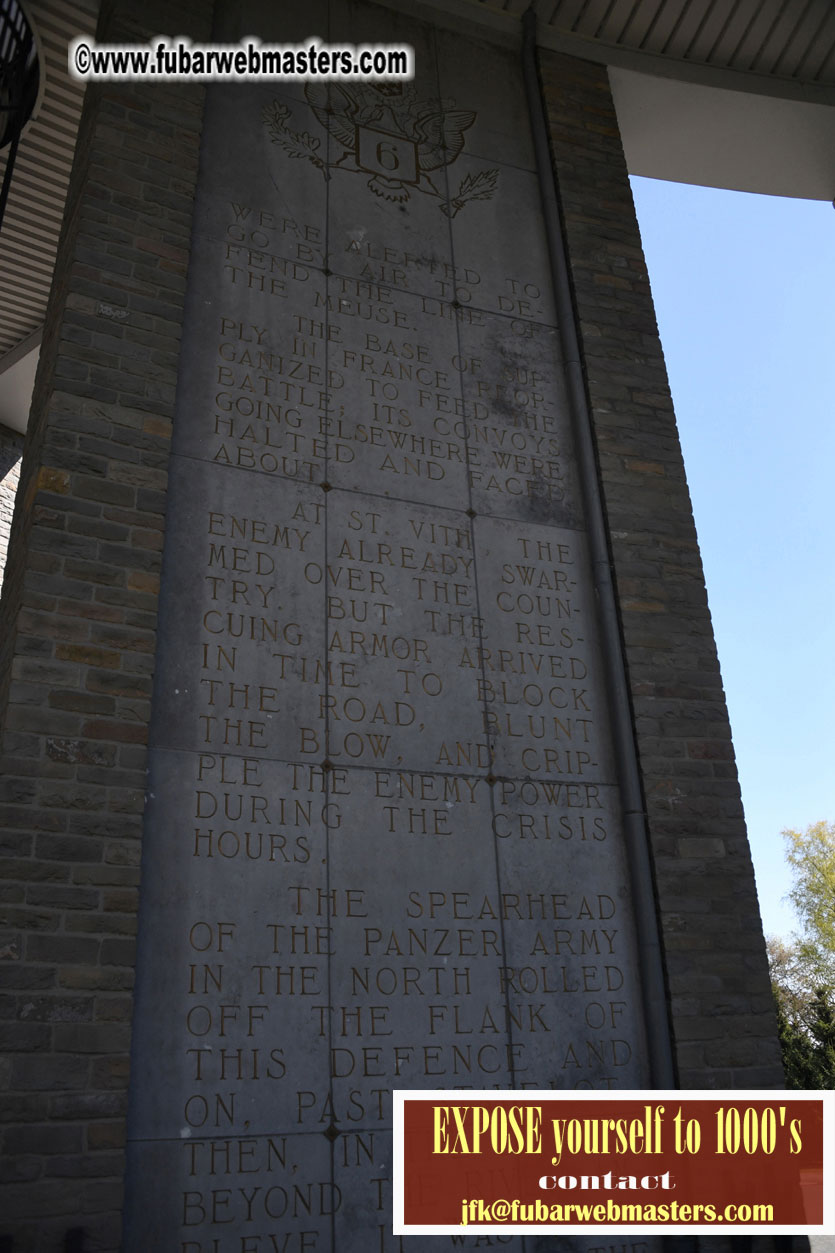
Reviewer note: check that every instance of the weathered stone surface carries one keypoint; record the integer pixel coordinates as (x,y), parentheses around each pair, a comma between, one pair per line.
(383,841)
(481,448)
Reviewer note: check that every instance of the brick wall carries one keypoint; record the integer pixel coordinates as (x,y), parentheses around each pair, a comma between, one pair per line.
(78,638)
(11,446)
(723,1017)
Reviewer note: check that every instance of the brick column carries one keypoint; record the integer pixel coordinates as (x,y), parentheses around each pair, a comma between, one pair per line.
(78,637)
(722,1013)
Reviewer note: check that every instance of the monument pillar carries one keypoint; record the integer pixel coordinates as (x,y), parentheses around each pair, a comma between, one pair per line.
(384,842)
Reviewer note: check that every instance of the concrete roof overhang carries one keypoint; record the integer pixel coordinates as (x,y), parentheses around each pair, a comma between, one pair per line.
(725,93)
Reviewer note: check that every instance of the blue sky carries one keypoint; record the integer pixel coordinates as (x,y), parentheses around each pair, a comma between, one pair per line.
(743,288)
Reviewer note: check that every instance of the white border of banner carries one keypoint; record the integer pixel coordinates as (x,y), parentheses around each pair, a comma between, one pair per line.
(524,1096)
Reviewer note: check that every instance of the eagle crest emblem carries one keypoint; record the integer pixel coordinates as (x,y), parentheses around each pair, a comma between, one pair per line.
(387,133)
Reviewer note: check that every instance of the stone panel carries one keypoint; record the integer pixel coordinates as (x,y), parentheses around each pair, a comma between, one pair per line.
(255,573)
(541,683)
(516,424)
(222,1192)
(314,248)
(384,835)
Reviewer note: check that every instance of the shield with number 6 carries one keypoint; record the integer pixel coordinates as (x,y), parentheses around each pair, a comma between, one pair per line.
(392,156)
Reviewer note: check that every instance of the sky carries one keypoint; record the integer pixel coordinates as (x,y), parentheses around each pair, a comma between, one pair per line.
(743,288)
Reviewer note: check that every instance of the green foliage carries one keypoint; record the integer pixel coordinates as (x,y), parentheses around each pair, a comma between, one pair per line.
(811,854)
(803,971)
(808,1043)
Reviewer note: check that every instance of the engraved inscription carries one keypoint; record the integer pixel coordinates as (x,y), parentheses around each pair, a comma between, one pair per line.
(404,142)
(383,843)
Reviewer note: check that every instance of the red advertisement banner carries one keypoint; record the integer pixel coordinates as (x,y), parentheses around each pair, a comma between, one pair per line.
(652,1161)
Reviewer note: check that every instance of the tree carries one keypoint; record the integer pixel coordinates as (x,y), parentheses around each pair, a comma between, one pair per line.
(811,854)
(791,978)
(803,970)
(807,1043)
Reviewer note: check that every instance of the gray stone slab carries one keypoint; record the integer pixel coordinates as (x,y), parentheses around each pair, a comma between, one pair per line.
(383,843)
(399,386)
(253,389)
(363,1221)
(388,221)
(230,970)
(244,612)
(251,135)
(276,159)
(513,275)
(401,594)
(372,24)
(390,227)
(391,216)
(571,973)
(517,424)
(292,22)
(415,973)
(230,1191)
(500,131)
(539,669)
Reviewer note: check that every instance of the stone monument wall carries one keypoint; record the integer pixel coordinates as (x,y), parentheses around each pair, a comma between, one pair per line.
(384,842)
